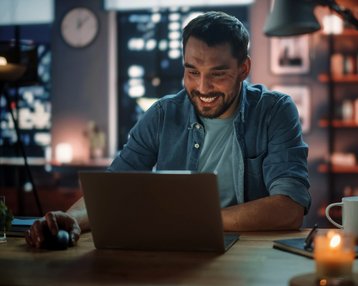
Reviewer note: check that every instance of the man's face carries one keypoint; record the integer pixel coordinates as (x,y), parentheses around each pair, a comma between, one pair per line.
(213,78)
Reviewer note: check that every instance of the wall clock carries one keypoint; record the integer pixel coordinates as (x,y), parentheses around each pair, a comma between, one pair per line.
(79,27)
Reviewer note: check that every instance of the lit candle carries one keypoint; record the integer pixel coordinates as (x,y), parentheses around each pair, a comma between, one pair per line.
(334,254)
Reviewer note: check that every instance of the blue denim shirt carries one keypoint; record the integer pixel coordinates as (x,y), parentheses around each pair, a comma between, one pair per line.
(169,136)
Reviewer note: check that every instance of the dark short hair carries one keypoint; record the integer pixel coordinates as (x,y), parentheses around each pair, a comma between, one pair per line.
(215,28)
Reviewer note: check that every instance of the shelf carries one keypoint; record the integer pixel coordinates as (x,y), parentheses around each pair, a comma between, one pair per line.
(348,32)
(351,78)
(339,123)
(323,168)
(40,161)
(19,161)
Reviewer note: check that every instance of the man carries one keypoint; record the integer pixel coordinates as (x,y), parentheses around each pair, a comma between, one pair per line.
(250,136)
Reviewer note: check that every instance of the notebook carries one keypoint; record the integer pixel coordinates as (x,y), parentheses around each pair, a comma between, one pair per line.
(20,225)
(164,211)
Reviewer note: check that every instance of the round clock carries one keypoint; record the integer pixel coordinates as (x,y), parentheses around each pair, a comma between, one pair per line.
(79,27)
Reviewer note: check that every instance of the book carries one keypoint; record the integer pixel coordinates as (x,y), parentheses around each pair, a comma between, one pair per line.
(297,246)
(20,225)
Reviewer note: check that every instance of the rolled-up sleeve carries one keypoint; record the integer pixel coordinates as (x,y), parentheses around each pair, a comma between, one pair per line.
(294,189)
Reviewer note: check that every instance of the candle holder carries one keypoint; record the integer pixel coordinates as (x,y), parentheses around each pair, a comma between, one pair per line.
(334,253)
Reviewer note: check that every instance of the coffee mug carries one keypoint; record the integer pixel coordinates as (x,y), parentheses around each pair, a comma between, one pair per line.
(349,207)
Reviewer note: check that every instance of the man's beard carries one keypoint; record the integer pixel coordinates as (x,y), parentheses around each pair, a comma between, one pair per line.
(208,112)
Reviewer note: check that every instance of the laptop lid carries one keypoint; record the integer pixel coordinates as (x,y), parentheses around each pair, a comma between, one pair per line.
(154,211)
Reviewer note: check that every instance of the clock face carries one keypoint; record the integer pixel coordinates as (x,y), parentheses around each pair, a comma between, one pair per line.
(79,27)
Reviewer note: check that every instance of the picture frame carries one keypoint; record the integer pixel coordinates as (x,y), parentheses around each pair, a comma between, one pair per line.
(301,97)
(290,55)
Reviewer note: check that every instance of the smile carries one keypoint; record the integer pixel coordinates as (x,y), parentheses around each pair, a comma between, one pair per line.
(208,99)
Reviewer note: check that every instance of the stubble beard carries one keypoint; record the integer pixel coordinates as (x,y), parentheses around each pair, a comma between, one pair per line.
(209,112)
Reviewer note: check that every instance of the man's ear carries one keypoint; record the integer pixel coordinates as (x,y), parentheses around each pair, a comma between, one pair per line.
(245,68)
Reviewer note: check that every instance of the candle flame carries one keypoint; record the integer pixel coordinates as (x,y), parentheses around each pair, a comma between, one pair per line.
(335,241)
(323,282)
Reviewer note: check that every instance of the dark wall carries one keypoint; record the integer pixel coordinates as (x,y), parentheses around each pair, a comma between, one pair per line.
(81,84)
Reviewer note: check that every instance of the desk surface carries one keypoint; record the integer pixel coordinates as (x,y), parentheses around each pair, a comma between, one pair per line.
(251,261)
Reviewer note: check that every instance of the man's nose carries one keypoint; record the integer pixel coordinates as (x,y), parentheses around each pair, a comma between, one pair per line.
(205,85)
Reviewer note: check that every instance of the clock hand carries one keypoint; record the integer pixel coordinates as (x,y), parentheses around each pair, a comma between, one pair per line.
(80,22)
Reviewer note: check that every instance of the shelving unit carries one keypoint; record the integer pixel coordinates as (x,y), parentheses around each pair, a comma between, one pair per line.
(342,86)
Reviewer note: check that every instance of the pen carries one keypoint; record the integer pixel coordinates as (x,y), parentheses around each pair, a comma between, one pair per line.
(309,239)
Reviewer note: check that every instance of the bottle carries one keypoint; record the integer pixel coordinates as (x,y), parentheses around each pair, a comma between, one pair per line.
(337,64)
(348,64)
(347,110)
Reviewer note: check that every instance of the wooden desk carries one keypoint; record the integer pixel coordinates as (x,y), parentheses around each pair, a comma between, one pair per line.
(251,261)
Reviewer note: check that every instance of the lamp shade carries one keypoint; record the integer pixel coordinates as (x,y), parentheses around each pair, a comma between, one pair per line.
(11,72)
(290,18)
(19,62)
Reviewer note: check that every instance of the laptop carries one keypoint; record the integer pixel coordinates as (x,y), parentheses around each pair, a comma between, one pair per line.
(165,211)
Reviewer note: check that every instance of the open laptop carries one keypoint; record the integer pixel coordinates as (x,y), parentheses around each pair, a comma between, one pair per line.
(168,210)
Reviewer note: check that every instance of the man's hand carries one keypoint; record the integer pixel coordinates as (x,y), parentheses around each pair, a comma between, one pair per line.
(53,221)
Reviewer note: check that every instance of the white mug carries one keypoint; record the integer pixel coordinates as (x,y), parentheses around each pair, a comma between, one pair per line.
(349,207)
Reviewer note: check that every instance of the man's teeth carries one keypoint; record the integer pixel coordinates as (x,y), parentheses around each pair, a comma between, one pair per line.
(207,99)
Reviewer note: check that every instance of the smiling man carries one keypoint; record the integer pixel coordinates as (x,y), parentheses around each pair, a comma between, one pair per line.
(250,136)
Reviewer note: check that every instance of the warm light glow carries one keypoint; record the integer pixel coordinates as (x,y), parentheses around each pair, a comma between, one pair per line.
(323,282)
(64,153)
(334,254)
(156,81)
(335,241)
(332,24)
(3,61)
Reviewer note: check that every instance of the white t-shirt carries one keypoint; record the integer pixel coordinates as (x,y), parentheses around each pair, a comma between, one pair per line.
(221,153)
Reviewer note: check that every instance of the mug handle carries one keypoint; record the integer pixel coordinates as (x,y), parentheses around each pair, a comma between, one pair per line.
(328,216)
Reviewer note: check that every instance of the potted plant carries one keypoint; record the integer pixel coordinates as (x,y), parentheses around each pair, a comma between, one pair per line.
(5,220)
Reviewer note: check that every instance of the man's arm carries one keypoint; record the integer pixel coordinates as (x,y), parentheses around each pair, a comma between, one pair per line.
(79,213)
(270,213)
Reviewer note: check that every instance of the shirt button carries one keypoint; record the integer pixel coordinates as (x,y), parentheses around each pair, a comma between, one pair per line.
(197,126)
(196,145)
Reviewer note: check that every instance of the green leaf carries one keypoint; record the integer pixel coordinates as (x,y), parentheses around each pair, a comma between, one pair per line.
(6,216)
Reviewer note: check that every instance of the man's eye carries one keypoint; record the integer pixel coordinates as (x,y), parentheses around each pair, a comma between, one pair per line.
(193,72)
